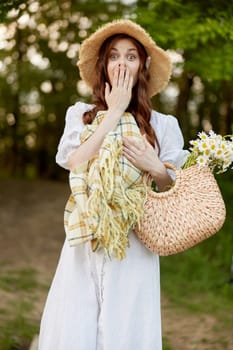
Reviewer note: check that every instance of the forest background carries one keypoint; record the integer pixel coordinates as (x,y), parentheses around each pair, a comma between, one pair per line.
(39,44)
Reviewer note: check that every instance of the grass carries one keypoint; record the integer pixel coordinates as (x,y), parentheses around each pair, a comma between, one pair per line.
(23,279)
(17,328)
(17,332)
(198,279)
(166,345)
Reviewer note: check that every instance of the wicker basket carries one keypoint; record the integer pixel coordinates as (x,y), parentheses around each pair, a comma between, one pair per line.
(190,212)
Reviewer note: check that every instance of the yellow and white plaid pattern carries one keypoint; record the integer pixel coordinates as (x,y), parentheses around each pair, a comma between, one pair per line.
(107,192)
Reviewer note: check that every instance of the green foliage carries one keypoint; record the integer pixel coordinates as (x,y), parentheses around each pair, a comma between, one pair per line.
(201,33)
(8,5)
(39,78)
(202,30)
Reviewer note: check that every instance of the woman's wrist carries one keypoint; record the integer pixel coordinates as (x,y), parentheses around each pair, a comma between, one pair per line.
(158,171)
(114,113)
(161,177)
(90,147)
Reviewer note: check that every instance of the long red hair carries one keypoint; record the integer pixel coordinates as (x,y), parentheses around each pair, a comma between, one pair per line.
(140,105)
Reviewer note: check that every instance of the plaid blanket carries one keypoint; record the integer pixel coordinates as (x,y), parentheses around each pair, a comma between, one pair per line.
(107,192)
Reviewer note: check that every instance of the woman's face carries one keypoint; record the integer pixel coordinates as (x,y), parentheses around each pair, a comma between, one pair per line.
(123,53)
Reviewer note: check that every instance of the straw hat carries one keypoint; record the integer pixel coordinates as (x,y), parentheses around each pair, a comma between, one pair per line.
(160,64)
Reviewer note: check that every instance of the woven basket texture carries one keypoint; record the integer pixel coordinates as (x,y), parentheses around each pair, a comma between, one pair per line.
(190,212)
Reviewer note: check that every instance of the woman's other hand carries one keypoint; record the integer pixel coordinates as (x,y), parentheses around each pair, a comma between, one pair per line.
(143,156)
(140,153)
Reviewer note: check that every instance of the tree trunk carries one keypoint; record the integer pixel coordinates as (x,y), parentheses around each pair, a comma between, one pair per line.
(184,84)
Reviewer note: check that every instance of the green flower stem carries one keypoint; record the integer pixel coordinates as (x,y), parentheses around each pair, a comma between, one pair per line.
(191,160)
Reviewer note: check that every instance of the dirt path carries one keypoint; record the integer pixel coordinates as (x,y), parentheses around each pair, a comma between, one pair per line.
(31,236)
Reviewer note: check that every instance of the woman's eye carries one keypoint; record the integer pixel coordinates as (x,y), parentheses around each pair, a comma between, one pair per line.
(131,57)
(113,57)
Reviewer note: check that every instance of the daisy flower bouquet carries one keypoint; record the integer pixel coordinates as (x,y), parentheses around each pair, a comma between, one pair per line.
(212,150)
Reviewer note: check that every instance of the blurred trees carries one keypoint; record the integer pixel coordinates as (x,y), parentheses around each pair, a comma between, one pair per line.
(39,77)
(6,6)
(39,44)
(202,33)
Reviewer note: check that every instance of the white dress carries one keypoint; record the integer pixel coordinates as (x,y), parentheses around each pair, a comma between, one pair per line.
(95,303)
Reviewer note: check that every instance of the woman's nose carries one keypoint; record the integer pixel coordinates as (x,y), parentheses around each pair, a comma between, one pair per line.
(123,66)
(122,61)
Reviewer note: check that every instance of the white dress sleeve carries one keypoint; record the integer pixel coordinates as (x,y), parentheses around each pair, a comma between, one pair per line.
(70,139)
(170,139)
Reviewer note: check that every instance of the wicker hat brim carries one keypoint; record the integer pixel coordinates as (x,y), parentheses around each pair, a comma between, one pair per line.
(160,64)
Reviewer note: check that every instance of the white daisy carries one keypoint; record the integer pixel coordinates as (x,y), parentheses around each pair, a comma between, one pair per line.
(201,161)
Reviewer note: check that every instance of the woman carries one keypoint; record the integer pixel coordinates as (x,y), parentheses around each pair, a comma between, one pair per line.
(97,302)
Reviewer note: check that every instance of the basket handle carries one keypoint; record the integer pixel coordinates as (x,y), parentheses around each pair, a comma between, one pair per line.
(170,166)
